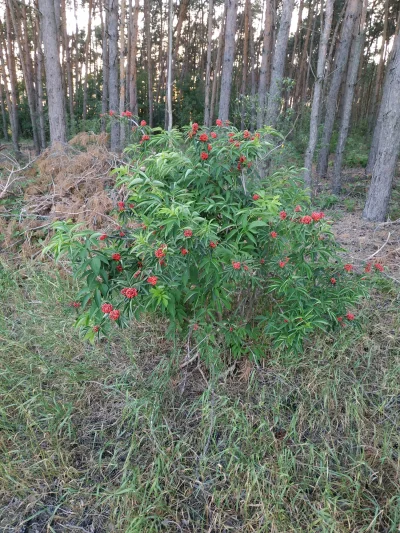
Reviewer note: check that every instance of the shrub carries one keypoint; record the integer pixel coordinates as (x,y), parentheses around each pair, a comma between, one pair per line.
(231,259)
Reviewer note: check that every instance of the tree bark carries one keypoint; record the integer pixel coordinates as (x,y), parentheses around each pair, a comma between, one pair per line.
(113,70)
(169,76)
(379,71)
(266,56)
(379,120)
(3,113)
(106,71)
(301,76)
(245,60)
(67,49)
(378,197)
(278,65)
(122,84)
(351,80)
(207,111)
(27,70)
(39,84)
(87,58)
(133,102)
(53,72)
(217,67)
(340,67)
(323,46)
(147,25)
(12,102)
(229,56)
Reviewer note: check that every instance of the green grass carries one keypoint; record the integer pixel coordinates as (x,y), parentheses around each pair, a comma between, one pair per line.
(113,438)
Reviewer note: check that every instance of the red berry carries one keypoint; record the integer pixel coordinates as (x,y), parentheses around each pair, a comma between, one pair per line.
(195,327)
(184,251)
(297,208)
(256,197)
(236,265)
(145,138)
(152,280)
(103,237)
(159,253)
(115,314)
(213,244)
(213,135)
(203,137)
(218,122)
(120,268)
(283,215)
(96,328)
(273,234)
(306,219)
(121,206)
(76,304)
(333,281)
(188,233)
(204,156)
(379,267)
(106,308)
(143,123)
(350,316)
(348,267)
(116,257)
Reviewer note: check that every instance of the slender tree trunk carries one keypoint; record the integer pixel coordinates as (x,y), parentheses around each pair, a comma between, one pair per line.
(147,25)
(207,110)
(296,39)
(323,46)
(379,71)
(39,84)
(301,75)
(106,70)
(278,65)
(384,169)
(133,102)
(266,57)
(169,76)
(87,59)
(113,70)
(217,68)
(122,81)
(67,49)
(58,132)
(27,71)
(229,56)
(340,67)
(245,60)
(13,105)
(379,120)
(351,80)
(253,76)
(3,113)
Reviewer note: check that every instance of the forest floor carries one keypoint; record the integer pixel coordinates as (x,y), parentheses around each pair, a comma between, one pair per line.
(117,438)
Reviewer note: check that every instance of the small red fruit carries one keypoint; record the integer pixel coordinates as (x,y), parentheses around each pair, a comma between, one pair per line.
(297,208)
(333,281)
(218,122)
(115,314)
(256,197)
(152,280)
(116,257)
(379,267)
(188,233)
(103,237)
(273,234)
(107,308)
(145,138)
(282,215)
(350,316)
(203,137)
(213,244)
(236,265)
(213,135)
(184,251)
(143,123)
(204,156)
(348,267)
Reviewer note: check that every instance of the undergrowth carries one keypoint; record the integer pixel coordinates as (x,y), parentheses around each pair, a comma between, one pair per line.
(116,437)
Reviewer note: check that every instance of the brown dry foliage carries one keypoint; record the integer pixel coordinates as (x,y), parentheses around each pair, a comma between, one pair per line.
(73,181)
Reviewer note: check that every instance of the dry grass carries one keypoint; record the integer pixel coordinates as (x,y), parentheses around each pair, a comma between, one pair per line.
(115,438)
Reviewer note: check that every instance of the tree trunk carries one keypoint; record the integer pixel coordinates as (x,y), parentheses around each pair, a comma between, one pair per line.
(39,84)
(323,46)
(253,75)
(147,25)
(278,65)
(296,40)
(113,70)
(169,76)
(53,72)
(67,49)
(245,60)
(379,71)
(229,56)
(301,74)
(340,67)
(217,68)
(13,100)
(106,71)
(133,102)
(351,80)
(122,81)
(207,111)
(384,169)
(3,113)
(379,120)
(27,70)
(87,58)
(266,56)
